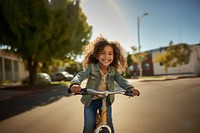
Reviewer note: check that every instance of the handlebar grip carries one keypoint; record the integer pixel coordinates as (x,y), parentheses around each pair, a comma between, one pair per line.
(129,93)
(82,92)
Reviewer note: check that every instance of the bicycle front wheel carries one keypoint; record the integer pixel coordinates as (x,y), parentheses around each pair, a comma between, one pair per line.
(103,129)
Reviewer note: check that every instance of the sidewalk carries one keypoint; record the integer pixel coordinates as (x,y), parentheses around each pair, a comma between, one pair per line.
(165,78)
(6,94)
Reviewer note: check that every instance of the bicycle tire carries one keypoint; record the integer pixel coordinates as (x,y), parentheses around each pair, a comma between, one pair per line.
(104,130)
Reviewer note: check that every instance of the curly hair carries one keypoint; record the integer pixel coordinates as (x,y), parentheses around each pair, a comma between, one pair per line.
(92,51)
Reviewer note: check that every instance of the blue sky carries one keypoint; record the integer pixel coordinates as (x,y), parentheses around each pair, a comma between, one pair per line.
(176,20)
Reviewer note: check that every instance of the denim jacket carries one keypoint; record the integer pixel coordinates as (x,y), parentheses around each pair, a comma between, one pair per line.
(92,72)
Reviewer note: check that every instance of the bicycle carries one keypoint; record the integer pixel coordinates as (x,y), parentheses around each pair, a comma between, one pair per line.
(101,120)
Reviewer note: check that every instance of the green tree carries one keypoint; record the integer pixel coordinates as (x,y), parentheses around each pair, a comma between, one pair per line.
(137,57)
(175,55)
(39,30)
(129,60)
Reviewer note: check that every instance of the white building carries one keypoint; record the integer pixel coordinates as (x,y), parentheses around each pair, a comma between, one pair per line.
(193,67)
(12,68)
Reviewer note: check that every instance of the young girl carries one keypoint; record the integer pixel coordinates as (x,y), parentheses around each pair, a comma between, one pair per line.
(102,60)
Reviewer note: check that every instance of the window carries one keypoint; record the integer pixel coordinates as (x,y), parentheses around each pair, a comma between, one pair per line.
(7,65)
(131,68)
(147,66)
(16,67)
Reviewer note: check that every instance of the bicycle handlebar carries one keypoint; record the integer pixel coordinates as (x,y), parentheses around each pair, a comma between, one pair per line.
(88,91)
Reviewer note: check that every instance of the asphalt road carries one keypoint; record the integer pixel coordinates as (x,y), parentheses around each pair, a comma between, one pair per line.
(163,107)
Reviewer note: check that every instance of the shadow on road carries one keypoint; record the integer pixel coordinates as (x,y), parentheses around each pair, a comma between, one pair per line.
(12,107)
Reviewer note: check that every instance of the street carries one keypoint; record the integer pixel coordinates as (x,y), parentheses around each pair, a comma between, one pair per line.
(164,107)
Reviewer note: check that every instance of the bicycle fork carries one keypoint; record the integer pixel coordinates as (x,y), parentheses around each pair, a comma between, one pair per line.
(102,123)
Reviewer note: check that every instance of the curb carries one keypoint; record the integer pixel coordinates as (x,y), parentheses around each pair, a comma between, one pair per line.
(166,79)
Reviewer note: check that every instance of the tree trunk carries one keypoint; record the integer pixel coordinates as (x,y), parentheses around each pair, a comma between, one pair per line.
(32,67)
(166,72)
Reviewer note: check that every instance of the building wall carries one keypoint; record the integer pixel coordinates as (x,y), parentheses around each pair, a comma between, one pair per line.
(1,70)
(196,50)
(12,68)
(147,66)
(193,67)
(23,71)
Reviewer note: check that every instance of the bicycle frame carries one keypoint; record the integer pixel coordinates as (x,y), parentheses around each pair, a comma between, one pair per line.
(101,125)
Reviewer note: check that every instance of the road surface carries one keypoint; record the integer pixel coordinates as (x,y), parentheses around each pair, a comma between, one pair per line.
(163,107)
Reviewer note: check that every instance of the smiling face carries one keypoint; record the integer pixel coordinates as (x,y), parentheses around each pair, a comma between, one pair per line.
(106,56)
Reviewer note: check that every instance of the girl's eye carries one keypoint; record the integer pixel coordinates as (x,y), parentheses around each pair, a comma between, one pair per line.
(105,53)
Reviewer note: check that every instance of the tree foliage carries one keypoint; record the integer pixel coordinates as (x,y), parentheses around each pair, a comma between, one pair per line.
(39,31)
(174,56)
(138,57)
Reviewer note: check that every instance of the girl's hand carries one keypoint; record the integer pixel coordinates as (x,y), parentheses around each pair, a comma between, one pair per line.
(75,88)
(135,92)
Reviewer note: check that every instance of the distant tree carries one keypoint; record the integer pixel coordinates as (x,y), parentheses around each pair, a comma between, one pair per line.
(73,67)
(164,59)
(40,30)
(127,74)
(69,65)
(137,57)
(175,55)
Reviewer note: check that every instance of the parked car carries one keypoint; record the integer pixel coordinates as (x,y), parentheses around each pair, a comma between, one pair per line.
(41,78)
(62,76)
